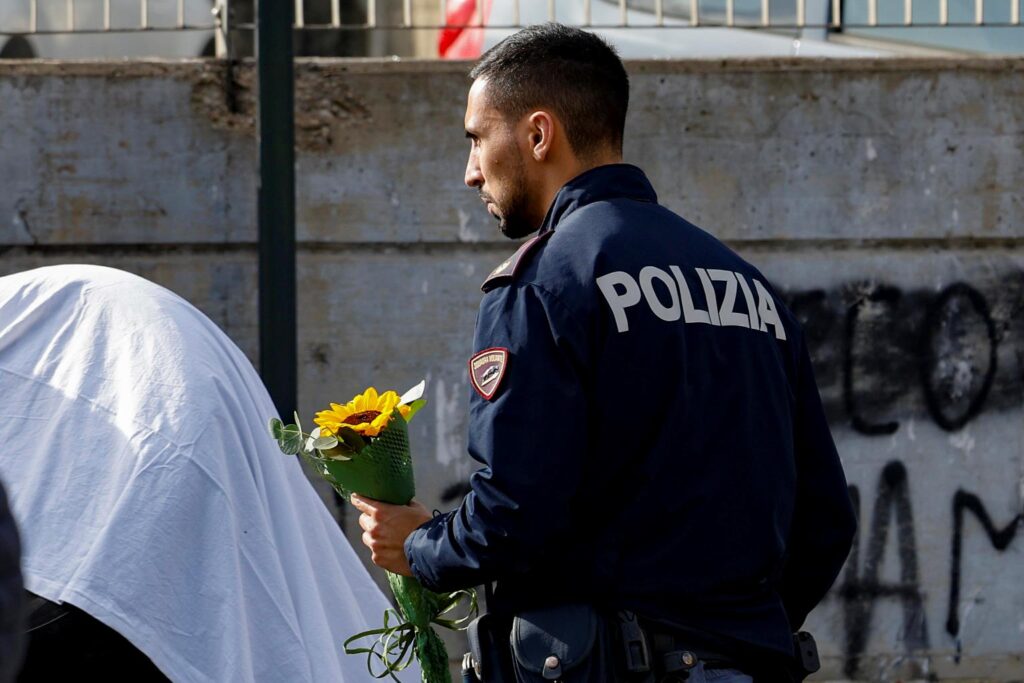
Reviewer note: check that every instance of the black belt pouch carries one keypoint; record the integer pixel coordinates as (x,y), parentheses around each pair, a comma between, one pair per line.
(567,643)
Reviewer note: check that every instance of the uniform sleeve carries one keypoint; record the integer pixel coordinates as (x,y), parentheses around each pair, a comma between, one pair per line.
(531,438)
(823,519)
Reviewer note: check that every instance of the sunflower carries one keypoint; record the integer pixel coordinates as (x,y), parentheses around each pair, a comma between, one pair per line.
(365,414)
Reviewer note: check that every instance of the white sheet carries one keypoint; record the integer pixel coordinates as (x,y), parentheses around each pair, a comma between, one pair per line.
(149,493)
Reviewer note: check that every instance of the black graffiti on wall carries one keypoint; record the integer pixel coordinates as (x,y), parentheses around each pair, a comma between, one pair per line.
(861,587)
(999,538)
(881,353)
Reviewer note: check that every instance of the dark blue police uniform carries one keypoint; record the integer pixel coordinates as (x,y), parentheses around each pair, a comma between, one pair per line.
(650,430)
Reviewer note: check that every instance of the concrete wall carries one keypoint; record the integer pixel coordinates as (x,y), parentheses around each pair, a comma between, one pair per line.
(885,198)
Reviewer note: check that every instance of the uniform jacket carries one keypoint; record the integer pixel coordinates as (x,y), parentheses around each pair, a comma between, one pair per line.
(649,427)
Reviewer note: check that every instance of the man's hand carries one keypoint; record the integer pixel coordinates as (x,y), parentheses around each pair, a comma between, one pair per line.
(385,528)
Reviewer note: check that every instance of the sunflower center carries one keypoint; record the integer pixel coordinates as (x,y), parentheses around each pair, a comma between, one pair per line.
(360,418)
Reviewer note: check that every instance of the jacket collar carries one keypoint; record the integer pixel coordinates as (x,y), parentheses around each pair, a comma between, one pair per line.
(613,181)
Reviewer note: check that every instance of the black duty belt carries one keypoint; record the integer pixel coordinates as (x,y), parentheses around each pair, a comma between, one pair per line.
(673,653)
(666,652)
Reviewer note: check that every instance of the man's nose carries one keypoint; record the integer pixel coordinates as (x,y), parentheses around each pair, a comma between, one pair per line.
(474,178)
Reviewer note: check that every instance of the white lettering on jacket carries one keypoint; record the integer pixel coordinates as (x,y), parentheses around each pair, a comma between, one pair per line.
(669,297)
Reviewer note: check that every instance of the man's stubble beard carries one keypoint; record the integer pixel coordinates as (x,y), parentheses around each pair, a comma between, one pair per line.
(514,221)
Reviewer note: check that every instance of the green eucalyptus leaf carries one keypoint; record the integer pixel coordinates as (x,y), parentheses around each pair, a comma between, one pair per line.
(353,441)
(275,428)
(323,443)
(290,440)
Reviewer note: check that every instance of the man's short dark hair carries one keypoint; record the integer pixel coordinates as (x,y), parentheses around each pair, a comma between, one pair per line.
(573,72)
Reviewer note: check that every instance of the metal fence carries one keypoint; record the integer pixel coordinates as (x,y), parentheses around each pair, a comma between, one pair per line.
(223,18)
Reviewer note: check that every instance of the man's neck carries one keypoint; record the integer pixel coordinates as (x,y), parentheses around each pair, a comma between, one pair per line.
(557,178)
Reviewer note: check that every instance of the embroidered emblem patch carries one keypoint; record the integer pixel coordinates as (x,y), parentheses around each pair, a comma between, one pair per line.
(486,370)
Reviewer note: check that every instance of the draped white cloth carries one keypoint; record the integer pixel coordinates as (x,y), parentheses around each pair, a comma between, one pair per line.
(149,493)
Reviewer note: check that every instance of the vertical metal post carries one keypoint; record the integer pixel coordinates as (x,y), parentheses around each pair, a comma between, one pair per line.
(222,34)
(276,214)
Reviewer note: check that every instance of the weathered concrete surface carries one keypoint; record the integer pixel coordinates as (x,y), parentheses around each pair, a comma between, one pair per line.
(884,198)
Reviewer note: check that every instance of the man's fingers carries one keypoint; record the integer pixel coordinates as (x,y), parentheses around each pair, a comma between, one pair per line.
(360,503)
(365,522)
(368,540)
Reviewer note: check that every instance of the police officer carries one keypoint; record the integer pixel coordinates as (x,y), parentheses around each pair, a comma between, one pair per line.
(644,408)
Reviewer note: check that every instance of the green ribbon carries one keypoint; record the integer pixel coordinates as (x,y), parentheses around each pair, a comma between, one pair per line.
(396,645)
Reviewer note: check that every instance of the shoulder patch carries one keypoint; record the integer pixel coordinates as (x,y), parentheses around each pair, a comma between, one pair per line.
(487,369)
(508,268)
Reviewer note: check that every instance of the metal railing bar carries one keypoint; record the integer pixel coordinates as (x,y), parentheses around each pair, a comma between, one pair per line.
(509,26)
(1015,12)
(695,12)
(979,12)
(335,13)
(300,14)
(106,16)
(872,12)
(371,13)
(515,12)
(943,12)
(623,13)
(69,7)
(397,27)
(730,12)
(801,12)
(908,12)
(765,13)
(586,13)
(837,14)
(659,12)
(551,10)
(144,14)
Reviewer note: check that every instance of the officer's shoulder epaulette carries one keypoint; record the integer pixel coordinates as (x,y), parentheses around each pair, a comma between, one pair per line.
(508,268)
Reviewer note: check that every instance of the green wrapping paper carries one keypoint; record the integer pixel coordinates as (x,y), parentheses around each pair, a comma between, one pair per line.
(382,470)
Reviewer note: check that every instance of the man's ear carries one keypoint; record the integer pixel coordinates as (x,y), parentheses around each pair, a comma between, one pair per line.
(541,129)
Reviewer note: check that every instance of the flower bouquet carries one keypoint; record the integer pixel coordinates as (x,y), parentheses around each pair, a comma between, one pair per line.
(363,447)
